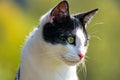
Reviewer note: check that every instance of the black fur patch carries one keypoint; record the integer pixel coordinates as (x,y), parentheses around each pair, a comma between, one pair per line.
(58,31)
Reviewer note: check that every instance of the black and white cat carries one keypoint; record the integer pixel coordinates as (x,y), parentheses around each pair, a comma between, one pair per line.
(55,48)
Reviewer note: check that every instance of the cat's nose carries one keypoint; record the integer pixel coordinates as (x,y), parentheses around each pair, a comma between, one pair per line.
(80,55)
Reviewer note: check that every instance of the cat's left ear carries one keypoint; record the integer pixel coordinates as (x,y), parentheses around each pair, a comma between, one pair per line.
(60,11)
(86,17)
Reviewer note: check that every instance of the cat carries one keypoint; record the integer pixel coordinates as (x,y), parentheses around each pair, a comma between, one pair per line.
(57,46)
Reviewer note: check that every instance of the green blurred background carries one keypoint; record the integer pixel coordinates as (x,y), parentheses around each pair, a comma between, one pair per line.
(19,17)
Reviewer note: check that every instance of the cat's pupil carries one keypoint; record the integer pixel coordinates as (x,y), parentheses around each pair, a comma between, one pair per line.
(86,42)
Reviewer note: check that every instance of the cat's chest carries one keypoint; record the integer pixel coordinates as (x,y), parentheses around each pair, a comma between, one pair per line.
(57,76)
(51,76)
(43,73)
(61,74)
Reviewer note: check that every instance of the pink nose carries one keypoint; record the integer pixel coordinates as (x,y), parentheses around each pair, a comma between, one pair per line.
(80,55)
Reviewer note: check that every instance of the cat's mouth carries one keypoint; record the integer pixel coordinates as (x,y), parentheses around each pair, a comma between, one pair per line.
(70,62)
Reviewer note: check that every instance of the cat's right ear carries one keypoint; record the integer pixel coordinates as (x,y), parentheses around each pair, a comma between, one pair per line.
(61,10)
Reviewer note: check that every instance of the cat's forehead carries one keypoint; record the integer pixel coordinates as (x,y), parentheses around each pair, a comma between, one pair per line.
(67,22)
(64,25)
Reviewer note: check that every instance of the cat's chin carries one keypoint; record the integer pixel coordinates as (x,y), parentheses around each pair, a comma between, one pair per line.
(71,63)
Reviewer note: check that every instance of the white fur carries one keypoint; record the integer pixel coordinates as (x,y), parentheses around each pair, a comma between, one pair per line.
(44,61)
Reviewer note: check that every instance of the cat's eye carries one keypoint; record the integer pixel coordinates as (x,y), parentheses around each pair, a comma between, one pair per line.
(86,42)
(70,39)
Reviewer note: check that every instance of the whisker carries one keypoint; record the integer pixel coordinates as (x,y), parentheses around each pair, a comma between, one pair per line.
(94,32)
(86,57)
(95,25)
(97,37)
(82,71)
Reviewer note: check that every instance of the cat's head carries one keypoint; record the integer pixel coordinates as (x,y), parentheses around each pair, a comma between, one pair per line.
(66,31)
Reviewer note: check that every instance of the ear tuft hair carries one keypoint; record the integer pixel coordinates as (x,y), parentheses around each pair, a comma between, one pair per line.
(86,16)
(61,10)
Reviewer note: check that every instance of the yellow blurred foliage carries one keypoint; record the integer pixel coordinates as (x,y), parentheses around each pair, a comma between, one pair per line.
(13,31)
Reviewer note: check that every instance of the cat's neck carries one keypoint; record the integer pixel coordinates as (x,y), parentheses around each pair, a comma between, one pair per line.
(36,66)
